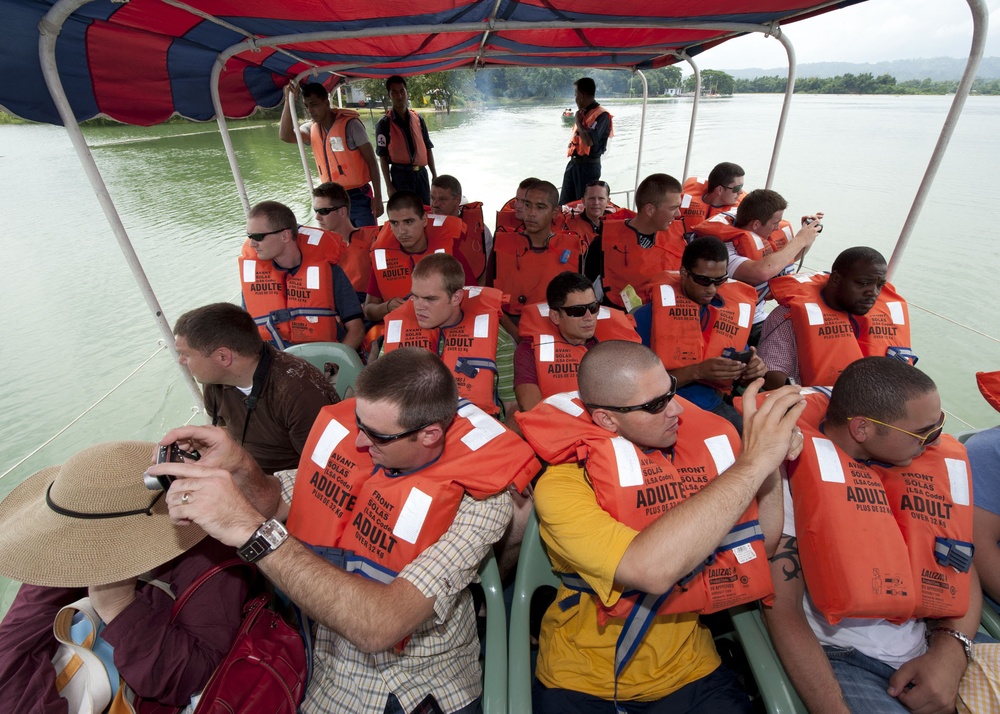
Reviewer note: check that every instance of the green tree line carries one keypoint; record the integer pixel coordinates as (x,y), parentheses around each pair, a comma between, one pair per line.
(864,83)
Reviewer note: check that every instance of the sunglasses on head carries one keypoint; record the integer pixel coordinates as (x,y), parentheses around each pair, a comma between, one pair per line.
(929,438)
(327,211)
(382,439)
(656,406)
(580,310)
(705,281)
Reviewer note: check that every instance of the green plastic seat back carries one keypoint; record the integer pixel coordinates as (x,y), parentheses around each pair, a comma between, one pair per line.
(319,353)
(495,669)
(963,436)
(776,689)
(534,570)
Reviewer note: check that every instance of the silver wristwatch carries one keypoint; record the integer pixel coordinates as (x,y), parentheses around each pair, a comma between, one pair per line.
(960,636)
(269,536)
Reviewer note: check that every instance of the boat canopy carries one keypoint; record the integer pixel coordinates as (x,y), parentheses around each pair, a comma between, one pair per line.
(143,61)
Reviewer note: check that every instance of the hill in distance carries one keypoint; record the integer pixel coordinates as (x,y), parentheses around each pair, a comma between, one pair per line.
(936,68)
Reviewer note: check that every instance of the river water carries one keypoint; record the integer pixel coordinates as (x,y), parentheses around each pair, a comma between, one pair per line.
(75,324)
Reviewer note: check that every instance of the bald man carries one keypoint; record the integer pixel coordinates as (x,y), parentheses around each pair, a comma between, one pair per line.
(642,513)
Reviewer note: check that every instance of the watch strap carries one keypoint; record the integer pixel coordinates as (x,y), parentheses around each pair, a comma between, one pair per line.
(960,636)
(258,545)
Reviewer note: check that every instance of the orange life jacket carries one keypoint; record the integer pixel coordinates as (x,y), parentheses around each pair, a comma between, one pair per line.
(576,220)
(989,387)
(636,488)
(393,265)
(356,257)
(557,361)
(524,273)
(694,210)
(473,244)
(290,309)
(625,263)
(747,243)
(879,541)
(399,151)
(828,340)
(334,160)
(468,348)
(341,500)
(576,146)
(507,219)
(677,335)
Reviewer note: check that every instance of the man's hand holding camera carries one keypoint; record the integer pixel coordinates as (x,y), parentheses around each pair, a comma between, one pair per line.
(212,491)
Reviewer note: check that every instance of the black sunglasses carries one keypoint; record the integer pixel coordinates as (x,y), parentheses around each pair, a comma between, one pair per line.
(652,407)
(327,211)
(261,236)
(382,439)
(580,310)
(705,281)
(735,189)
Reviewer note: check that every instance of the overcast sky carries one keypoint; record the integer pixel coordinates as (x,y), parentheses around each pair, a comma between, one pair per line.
(870,31)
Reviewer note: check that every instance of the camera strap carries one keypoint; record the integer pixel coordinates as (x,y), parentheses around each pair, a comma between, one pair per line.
(259,377)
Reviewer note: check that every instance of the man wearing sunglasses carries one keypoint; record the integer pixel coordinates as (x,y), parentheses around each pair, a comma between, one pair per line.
(698,323)
(760,243)
(642,488)
(825,322)
(721,192)
(341,148)
(877,524)
(292,283)
(332,206)
(398,498)
(557,333)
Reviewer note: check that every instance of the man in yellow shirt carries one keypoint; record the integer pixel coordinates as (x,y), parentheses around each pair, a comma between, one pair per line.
(653,498)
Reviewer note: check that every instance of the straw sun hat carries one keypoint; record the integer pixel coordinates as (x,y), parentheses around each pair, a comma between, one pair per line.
(48,538)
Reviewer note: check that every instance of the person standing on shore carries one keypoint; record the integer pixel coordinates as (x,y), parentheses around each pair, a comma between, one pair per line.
(591,132)
(341,149)
(403,145)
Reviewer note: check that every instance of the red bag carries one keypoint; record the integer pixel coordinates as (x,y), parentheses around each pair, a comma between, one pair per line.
(265,669)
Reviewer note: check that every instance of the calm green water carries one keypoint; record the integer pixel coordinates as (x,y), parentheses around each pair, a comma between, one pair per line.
(75,324)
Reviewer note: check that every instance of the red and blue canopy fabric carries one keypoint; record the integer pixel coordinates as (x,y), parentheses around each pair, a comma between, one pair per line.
(143,61)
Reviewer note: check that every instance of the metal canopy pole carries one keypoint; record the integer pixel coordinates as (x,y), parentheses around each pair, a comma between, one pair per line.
(48,35)
(694,113)
(298,138)
(642,128)
(785,105)
(227,140)
(980,28)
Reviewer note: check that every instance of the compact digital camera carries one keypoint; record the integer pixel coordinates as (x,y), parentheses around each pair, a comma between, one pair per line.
(169,454)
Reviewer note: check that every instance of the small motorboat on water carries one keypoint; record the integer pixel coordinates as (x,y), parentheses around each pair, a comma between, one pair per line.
(569,117)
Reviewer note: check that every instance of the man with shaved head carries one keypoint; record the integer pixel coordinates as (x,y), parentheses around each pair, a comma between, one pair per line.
(634,503)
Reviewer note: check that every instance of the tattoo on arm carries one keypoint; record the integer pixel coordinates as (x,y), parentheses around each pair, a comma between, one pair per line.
(787,557)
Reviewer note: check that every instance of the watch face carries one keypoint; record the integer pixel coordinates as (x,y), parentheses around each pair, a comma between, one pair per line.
(273,532)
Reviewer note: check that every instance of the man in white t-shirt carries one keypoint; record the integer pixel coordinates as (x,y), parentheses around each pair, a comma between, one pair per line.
(760,213)
(867,665)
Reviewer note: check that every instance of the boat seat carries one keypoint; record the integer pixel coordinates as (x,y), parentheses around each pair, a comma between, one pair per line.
(534,570)
(318,354)
(495,668)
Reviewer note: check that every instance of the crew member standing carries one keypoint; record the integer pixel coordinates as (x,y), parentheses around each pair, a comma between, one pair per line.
(341,148)
(591,132)
(403,145)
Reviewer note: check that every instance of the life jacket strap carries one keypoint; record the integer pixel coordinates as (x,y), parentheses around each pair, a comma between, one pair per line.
(901,353)
(956,553)
(470,366)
